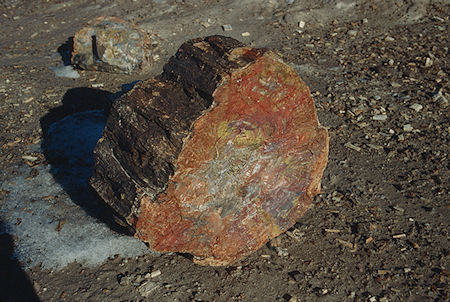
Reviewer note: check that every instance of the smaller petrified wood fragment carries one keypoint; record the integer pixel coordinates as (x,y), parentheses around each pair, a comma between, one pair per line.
(217,156)
(111,44)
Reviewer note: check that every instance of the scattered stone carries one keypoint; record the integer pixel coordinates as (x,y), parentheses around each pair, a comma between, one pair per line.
(282,252)
(113,45)
(205,24)
(408,128)
(30,158)
(379,117)
(216,156)
(245,34)
(389,39)
(428,62)
(28,100)
(399,209)
(301,24)
(365,21)
(352,32)
(155,274)
(296,234)
(147,288)
(398,236)
(441,99)
(227,27)
(123,280)
(353,147)
(416,107)
(332,231)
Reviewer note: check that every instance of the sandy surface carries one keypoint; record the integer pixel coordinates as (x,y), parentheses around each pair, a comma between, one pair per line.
(378,71)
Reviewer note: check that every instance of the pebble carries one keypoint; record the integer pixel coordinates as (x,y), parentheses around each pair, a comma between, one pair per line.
(389,39)
(227,27)
(30,158)
(147,288)
(28,100)
(428,62)
(155,274)
(365,20)
(379,117)
(301,24)
(352,32)
(408,128)
(416,107)
(282,252)
(353,147)
(441,99)
(245,34)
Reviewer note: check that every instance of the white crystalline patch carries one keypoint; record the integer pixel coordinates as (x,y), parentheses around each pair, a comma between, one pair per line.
(51,226)
(65,72)
(345,6)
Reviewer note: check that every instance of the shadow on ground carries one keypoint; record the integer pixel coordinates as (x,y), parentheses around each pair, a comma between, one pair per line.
(14,283)
(70,133)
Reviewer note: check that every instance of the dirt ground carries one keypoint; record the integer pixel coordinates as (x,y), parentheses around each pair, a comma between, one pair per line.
(378,71)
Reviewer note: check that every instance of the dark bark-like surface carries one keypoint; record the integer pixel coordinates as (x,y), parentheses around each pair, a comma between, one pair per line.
(147,126)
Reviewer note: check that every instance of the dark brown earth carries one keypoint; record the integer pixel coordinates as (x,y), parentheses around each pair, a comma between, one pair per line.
(378,231)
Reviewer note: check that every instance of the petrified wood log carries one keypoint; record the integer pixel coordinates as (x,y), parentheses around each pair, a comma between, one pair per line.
(216,156)
(111,44)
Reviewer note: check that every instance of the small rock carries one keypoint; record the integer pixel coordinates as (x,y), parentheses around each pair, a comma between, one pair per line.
(428,62)
(352,32)
(353,147)
(365,20)
(147,288)
(227,27)
(408,128)
(30,158)
(245,34)
(416,107)
(123,280)
(282,252)
(301,24)
(379,117)
(389,39)
(155,274)
(441,99)
(205,24)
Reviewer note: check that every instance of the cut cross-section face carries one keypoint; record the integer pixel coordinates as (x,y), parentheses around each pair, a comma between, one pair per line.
(249,163)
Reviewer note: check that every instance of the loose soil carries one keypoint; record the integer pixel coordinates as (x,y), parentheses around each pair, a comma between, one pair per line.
(378,71)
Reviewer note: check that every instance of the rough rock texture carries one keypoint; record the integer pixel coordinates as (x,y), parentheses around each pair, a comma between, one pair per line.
(216,156)
(113,45)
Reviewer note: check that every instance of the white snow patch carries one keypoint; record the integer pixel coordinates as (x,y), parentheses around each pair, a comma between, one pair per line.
(65,71)
(345,6)
(59,195)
